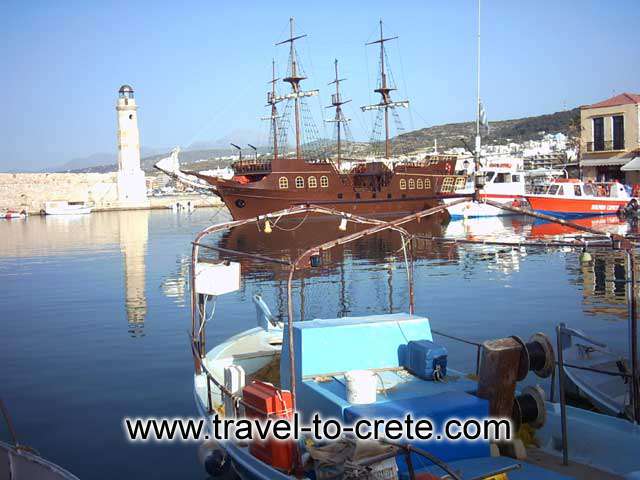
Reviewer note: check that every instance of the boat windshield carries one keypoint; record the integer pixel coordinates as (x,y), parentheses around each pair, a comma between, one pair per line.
(488,176)
(589,189)
(502,178)
(553,189)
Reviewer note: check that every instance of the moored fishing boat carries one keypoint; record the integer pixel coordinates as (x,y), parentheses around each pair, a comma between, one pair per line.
(610,392)
(568,197)
(20,462)
(364,367)
(504,182)
(13,214)
(62,207)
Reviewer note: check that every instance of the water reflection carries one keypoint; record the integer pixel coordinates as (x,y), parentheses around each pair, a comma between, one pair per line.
(604,224)
(603,281)
(41,236)
(505,260)
(77,286)
(175,284)
(344,269)
(133,228)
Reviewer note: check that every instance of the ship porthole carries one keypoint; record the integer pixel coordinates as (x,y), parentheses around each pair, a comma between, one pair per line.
(240,203)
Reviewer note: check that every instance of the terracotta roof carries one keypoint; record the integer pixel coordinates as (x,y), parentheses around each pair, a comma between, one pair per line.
(622,99)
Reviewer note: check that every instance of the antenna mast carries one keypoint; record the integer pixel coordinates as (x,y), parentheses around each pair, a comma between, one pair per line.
(478,140)
(384,90)
(337,102)
(294,80)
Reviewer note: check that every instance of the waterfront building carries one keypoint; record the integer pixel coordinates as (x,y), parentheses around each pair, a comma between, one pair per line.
(610,139)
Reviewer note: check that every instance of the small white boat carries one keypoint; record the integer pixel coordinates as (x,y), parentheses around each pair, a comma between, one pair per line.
(62,207)
(20,462)
(504,183)
(12,215)
(610,394)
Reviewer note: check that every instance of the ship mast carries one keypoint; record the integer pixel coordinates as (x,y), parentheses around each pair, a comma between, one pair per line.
(294,80)
(273,100)
(384,90)
(337,102)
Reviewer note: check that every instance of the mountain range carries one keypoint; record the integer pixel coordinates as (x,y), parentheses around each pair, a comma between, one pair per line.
(448,136)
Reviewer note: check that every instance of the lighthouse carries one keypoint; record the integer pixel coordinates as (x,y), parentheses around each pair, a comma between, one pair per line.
(132,189)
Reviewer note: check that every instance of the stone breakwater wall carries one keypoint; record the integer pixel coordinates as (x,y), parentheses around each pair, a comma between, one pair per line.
(29,191)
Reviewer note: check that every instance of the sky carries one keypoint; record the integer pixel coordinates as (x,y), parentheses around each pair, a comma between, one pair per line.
(200,69)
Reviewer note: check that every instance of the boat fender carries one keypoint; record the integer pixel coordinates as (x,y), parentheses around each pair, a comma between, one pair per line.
(214,460)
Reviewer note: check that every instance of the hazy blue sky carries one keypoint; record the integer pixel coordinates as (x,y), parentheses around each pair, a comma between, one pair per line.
(200,68)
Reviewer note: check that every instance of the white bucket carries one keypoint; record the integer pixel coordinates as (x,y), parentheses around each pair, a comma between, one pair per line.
(361,386)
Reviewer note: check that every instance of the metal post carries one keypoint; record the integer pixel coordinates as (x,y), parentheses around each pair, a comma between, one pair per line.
(563,405)
(5,413)
(209,405)
(632,300)
(297,467)
(411,290)
(201,320)
(552,389)
(412,472)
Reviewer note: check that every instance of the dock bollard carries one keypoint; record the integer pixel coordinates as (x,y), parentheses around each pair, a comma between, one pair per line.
(499,368)
(506,361)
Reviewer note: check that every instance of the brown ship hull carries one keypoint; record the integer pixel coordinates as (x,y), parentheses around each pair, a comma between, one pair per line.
(247,204)
(370,189)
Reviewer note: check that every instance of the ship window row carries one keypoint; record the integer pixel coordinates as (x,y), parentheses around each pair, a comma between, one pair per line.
(312,182)
(448,184)
(412,184)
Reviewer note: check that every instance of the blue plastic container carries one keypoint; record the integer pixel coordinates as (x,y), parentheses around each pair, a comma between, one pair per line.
(426,359)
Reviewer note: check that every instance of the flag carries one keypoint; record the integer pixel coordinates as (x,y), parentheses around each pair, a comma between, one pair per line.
(482,115)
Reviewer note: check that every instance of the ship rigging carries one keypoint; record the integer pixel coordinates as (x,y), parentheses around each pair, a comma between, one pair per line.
(262,185)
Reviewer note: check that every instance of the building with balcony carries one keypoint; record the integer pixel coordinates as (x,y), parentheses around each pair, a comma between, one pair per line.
(610,139)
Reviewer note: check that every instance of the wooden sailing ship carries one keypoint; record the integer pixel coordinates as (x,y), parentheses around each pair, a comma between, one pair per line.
(381,187)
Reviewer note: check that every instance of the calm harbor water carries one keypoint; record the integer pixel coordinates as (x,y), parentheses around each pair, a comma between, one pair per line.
(94,322)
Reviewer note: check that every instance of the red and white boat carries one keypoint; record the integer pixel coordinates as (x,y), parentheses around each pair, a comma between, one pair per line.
(12,214)
(568,197)
(504,183)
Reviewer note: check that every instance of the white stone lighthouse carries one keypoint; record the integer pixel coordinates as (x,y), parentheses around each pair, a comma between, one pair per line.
(132,189)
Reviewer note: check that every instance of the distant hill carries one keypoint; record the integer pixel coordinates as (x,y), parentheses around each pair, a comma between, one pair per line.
(500,132)
(448,136)
(95,160)
(98,162)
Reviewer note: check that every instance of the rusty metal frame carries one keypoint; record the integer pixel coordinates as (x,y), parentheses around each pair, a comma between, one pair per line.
(610,240)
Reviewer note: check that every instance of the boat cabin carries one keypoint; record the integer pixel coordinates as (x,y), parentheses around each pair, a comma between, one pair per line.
(573,188)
